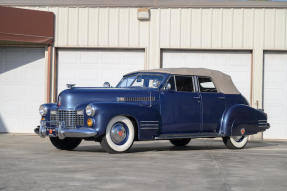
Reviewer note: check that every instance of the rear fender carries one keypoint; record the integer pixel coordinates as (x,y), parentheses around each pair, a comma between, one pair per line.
(242,119)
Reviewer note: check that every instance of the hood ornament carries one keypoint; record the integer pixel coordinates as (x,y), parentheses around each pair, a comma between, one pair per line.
(70,85)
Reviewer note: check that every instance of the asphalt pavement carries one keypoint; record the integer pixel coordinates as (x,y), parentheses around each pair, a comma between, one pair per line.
(31,163)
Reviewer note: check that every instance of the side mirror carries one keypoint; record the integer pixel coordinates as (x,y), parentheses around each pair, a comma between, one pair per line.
(167,87)
(107,85)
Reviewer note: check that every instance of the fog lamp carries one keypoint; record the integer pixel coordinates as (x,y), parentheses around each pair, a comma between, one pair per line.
(90,122)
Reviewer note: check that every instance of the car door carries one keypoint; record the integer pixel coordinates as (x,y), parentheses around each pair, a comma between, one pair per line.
(180,106)
(213,105)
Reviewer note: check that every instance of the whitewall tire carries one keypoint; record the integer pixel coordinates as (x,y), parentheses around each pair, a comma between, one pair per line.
(236,142)
(119,135)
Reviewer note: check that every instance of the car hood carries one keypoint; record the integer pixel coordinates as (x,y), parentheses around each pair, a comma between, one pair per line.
(75,98)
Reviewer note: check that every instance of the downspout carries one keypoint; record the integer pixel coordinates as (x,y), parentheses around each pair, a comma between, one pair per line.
(48,96)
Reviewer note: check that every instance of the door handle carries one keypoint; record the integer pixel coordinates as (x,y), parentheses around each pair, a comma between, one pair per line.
(196,97)
(221,97)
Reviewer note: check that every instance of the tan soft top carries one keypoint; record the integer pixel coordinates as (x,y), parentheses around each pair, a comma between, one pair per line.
(222,81)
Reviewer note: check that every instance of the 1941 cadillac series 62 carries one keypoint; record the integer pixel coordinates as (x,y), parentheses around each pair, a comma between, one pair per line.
(174,104)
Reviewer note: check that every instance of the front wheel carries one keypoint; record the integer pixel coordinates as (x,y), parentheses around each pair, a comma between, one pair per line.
(66,143)
(235,142)
(119,135)
(180,142)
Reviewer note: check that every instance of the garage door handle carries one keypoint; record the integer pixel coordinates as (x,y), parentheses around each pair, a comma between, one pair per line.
(221,97)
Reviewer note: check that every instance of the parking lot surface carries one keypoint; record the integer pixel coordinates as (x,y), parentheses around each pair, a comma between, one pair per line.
(31,163)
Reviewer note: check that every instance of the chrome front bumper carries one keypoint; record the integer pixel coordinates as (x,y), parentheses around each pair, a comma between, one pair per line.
(62,132)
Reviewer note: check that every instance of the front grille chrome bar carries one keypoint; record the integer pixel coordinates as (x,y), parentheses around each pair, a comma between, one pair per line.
(70,118)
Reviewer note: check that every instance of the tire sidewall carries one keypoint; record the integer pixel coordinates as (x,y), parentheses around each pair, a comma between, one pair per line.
(240,144)
(124,147)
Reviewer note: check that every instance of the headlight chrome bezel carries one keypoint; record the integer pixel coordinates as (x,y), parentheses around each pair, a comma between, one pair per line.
(90,110)
(43,110)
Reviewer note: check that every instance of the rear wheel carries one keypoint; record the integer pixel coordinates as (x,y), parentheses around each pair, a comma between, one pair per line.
(66,143)
(180,142)
(119,135)
(235,142)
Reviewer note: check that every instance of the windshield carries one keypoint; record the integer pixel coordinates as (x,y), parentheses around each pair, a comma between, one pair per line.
(141,80)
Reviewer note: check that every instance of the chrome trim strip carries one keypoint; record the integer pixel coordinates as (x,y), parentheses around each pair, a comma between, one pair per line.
(148,125)
(150,128)
(192,135)
(149,121)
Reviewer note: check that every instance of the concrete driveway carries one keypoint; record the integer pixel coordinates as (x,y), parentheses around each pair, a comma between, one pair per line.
(32,163)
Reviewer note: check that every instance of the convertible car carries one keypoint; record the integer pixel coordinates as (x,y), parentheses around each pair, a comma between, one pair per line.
(175,104)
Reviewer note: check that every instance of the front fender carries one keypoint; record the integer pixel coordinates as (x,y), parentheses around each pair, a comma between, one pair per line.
(106,111)
(240,119)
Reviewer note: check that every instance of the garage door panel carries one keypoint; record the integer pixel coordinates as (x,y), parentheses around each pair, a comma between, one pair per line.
(22,82)
(236,64)
(93,67)
(275,94)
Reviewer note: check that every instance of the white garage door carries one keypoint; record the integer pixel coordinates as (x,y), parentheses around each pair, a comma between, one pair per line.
(275,94)
(91,68)
(236,64)
(22,83)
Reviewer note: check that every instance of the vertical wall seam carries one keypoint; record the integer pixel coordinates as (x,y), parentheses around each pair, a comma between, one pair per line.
(98,26)
(139,32)
(190,35)
(118,23)
(148,49)
(108,26)
(78,27)
(274,31)
(232,27)
(67,29)
(128,27)
(243,23)
(264,31)
(159,27)
(180,24)
(253,27)
(169,31)
(200,28)
(88,26)
(221,32)
(211,26)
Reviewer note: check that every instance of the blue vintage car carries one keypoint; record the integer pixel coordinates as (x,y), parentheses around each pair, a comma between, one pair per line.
(175,104)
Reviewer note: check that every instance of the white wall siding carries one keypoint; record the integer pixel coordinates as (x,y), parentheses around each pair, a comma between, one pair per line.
(195,28)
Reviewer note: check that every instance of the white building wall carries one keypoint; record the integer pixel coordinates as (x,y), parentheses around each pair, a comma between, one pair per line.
(190,28)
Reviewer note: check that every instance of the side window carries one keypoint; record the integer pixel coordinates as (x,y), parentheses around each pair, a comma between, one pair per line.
(206,84)
(184,83)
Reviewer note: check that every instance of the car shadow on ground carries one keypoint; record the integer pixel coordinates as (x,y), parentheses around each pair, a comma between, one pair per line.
(160,146)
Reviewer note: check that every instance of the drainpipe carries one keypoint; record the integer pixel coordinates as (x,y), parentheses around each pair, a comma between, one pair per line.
(48,96)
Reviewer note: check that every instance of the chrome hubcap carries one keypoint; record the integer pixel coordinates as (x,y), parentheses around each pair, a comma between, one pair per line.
(238,138)
(118,133)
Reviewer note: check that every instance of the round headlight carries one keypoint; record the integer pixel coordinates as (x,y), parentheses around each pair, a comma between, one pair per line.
(90,110)
(43,110)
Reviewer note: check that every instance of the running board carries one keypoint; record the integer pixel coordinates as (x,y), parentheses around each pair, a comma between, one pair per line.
(190,135)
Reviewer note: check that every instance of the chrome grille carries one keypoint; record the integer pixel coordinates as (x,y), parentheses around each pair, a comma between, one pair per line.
(70,118)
